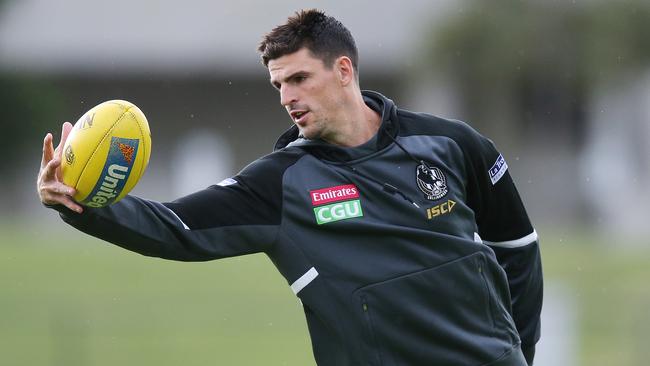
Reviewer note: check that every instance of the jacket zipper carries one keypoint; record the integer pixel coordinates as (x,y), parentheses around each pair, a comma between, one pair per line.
(490,299)
(374,347)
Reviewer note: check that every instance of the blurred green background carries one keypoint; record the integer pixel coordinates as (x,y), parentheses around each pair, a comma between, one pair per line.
(80,301)
(561,87)
(69,299)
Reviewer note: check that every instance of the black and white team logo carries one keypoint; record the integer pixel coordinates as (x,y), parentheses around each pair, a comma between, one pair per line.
(431,182)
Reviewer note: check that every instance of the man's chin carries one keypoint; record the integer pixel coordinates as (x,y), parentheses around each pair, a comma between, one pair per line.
(309,134)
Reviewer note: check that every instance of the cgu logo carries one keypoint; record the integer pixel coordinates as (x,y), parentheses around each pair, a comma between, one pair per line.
(338,211)
(107,191)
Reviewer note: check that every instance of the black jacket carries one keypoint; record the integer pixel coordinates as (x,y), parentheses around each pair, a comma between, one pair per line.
(412,249)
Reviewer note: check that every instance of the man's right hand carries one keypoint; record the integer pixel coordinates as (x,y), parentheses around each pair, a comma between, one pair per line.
(50,187)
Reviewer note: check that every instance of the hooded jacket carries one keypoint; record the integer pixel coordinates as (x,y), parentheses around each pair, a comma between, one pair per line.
(411,249)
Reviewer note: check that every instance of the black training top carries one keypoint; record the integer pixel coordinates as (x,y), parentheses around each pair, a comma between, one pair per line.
(412,249)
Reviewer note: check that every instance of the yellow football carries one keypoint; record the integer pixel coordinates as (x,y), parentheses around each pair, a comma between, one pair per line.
(106,153)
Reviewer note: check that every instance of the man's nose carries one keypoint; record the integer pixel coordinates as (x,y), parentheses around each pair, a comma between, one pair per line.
(287,95)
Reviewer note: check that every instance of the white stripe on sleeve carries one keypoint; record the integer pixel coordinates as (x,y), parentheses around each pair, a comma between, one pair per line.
(521,242)
(304,280)
(179,219)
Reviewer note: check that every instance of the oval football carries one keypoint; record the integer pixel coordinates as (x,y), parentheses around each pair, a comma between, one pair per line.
(106,153)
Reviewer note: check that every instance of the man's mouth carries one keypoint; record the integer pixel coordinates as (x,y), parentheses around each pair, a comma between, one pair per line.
(298,116)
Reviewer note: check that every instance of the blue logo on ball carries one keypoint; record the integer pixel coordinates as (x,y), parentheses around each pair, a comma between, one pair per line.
(115,173)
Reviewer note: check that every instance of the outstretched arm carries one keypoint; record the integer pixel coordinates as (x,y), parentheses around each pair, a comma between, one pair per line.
(241,215)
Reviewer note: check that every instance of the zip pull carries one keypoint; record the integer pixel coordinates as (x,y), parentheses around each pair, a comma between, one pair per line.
(387,187)
(390,188)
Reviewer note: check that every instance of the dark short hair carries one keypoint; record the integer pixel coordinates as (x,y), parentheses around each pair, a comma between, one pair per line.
(324,36)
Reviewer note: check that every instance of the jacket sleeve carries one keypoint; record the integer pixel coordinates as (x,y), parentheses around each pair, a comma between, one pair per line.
(504,225)
(240,215)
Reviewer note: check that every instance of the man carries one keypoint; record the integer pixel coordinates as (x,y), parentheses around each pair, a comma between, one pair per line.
(402,233)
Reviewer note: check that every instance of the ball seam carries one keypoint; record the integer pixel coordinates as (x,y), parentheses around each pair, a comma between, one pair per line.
(143,165)
(96,148)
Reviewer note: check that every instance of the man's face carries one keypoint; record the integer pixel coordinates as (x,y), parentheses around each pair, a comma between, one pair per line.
(311,93)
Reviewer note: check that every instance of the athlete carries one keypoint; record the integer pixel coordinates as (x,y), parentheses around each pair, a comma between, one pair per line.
(402,233)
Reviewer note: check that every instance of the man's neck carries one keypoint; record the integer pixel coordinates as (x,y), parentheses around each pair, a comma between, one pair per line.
(359,127)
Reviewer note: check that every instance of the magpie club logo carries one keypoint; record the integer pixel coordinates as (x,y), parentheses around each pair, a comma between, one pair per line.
(431,181)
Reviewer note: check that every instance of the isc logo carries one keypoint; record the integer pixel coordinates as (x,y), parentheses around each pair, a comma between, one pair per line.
(440,209)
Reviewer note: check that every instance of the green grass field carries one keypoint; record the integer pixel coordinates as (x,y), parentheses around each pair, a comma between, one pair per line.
(609,281)
(68,299)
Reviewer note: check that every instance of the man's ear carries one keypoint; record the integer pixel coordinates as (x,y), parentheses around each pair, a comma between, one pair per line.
(345,70)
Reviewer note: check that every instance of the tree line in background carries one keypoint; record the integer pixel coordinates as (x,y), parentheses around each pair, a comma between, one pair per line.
(542,59)
(29,107)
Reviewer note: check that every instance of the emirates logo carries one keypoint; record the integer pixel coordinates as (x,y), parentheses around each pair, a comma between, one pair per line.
(127,151)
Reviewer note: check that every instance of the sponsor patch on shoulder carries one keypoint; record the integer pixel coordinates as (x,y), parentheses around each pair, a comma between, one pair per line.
(227,182)
(498,169)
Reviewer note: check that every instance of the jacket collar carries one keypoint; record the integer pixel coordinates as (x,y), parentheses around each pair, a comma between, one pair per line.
(389,125)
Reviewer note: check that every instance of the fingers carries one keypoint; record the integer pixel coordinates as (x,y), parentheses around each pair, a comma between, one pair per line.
(49,172)
(55,190)
(48,151)
(48,183)
(71,204)
(68,202)
(48,147)
(54,193)
(65,200)
(65,131)
(51,190)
